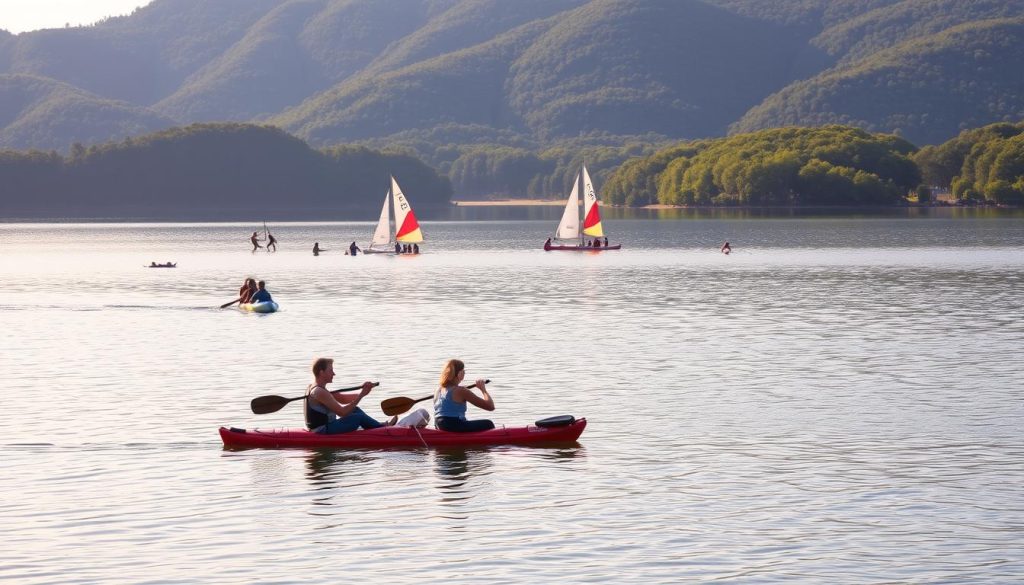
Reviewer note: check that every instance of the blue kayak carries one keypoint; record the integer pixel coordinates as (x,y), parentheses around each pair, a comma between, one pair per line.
(262,307)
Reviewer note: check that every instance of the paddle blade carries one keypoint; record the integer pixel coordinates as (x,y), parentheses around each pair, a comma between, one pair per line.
(398,405)
(268,404)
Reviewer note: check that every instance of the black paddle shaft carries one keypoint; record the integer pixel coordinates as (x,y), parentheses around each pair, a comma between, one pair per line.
(268,404)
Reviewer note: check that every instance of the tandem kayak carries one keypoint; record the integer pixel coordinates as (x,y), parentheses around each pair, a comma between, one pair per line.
(263,307)
(400,437)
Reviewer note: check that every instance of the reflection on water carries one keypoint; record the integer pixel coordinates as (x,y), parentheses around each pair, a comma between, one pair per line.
(326,466)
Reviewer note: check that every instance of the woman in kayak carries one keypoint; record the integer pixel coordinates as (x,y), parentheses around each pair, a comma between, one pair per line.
(248,289)
(335,413)
(450,401)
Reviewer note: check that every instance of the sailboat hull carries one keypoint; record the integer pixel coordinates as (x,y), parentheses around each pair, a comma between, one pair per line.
(581,248)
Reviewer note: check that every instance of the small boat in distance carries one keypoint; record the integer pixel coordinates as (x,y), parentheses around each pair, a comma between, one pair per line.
(407,229)
(569,227)
(165,265)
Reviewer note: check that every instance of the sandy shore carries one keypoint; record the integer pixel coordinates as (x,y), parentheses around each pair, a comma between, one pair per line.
(498,202)
(505,202)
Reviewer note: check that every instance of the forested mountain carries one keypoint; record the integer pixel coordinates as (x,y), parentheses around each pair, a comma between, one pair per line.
(42,112)
(453,78)
(926,89)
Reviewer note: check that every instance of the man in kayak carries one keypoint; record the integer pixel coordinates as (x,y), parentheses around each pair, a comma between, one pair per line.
(254,238)
(335,413)
(450,401)
(261,295)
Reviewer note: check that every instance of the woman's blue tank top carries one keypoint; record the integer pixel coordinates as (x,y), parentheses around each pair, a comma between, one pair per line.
(445,406)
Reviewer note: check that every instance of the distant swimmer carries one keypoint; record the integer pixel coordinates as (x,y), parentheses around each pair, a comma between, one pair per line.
(271,242)
(726,248)
(255,239)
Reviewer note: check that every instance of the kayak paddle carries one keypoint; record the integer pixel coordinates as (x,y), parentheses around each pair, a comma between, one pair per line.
(268,404)
(400,404)
(226,305)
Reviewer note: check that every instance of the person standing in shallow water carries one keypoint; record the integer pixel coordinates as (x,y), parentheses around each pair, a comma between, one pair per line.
(317,249)
(450,401)
(271,242)
(254,238)
(353,249)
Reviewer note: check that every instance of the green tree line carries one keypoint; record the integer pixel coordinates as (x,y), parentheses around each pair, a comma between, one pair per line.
(212,170)
(983,164)
(831,165)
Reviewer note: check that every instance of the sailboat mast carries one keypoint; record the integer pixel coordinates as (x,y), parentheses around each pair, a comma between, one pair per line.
(579,177)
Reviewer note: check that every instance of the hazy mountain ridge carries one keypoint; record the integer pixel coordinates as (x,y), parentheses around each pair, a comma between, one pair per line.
(36,109)
(927,88)
(533,71)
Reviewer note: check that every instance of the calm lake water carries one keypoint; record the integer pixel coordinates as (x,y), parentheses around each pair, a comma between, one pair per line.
(838,401)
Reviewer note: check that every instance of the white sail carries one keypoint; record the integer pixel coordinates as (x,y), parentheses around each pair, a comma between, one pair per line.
(407,229)
(591,210)
(382,235)
(569,227)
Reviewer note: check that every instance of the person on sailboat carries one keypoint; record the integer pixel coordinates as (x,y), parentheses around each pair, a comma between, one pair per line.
(271,241)
(450,401)
(398,248)
(606,241)
(547,244)
(415,248)
(332,414)
(254,238)
(353,249)
(726,248)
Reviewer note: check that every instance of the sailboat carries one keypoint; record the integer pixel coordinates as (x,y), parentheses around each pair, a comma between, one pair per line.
(569,227)
(407,229)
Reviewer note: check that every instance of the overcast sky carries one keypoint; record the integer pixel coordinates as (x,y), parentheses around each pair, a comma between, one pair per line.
(24,15)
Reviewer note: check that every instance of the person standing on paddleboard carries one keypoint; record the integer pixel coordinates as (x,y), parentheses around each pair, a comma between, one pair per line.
(450,401)
(332,414)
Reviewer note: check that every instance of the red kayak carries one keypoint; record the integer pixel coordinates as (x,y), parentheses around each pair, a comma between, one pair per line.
(401,437)
(549,248)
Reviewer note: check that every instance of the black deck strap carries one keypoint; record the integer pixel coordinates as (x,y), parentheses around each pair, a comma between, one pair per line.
(236,430)
(563,420)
